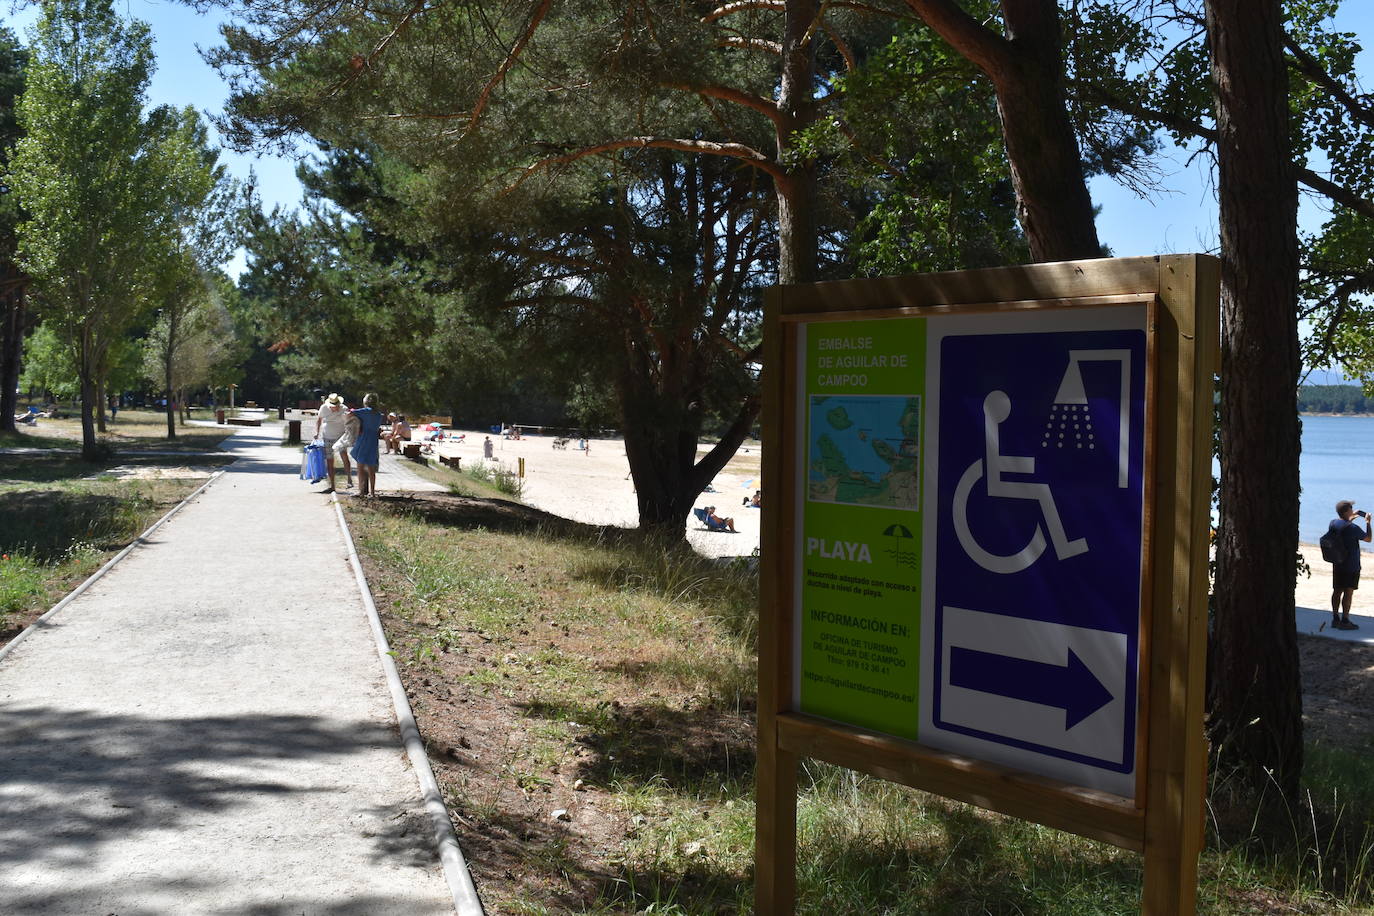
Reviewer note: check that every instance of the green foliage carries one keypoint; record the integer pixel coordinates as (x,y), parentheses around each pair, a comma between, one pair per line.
(106,189)
(919,138)
(192,338)
(13,61)
(80,171)
(49,365)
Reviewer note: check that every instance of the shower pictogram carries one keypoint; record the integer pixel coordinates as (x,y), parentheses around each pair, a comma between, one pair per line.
(1070,422)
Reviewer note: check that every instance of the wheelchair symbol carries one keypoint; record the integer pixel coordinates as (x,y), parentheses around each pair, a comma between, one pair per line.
(996,408)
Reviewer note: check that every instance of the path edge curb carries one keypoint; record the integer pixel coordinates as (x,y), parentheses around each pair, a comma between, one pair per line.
(109,565)
(465,898)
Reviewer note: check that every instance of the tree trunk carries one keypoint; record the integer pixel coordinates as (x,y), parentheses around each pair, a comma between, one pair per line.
(86,373)
(667,477)
(167,387)
(797,243)
(1255,716)
(1052,199)
(13,324)
(1027,71)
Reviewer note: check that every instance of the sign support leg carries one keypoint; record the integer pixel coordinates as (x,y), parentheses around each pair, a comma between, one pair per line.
(775,838)
(1176,769)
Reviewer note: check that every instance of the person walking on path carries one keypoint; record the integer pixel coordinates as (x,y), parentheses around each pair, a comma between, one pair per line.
(1345,575)
(365,449)
(487,448)
(330,425)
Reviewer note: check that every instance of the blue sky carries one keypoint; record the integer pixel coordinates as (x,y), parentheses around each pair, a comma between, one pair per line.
(1179,219)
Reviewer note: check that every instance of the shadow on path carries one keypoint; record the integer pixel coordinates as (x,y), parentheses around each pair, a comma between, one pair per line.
(73,781)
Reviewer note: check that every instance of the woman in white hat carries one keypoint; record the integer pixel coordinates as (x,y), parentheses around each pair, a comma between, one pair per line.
(330,425)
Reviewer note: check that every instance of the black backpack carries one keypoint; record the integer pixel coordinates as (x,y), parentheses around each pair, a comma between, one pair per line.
(1333,546)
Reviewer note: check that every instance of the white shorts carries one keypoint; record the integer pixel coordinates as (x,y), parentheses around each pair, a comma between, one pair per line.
(336,445)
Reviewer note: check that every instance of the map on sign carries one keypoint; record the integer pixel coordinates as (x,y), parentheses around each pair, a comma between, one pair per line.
(865,451)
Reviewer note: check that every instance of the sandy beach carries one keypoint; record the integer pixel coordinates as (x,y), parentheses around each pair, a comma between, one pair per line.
(595,487)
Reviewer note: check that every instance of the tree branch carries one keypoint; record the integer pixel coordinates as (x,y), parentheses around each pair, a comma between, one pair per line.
(766,107)
(985,49)
(840,45)
(359,63)
(1312,68)
(751,44)
(536,17)
(1341,195)
(708,147)
(728,9)
(1187,127)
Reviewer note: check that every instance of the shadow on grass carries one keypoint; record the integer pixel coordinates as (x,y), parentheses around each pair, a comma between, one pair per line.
(475,513)
(952,859)
(642,744)
(45,523)
(702,888)
(33,439)
(1325,839)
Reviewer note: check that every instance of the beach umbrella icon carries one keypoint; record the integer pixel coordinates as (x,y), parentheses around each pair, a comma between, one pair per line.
(900,533)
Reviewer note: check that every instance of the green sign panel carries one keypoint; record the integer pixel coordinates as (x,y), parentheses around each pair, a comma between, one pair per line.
(862,412)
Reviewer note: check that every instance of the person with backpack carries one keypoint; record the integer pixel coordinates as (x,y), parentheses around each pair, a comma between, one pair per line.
(1341,548)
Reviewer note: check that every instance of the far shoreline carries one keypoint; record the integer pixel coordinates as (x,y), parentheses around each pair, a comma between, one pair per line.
(1318,413)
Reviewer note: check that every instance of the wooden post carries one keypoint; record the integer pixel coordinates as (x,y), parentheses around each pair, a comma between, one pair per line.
(775,794)
(1176,767)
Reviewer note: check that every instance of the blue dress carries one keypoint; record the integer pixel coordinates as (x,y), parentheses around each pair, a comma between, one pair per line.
(364,450)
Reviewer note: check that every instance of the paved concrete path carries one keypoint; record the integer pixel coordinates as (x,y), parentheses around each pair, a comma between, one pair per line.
(207,730)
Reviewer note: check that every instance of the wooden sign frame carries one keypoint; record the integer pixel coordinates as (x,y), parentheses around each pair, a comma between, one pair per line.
(1165,819)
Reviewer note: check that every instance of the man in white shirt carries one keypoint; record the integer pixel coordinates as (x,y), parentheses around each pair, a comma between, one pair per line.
(330,425)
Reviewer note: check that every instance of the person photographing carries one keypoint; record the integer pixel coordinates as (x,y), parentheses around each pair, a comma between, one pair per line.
(1341,548)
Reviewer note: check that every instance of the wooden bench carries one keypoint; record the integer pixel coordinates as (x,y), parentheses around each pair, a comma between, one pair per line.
(411,450)
(453,461)
(244,421)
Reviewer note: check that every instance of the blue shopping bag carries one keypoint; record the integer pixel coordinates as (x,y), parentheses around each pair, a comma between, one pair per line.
(313,466)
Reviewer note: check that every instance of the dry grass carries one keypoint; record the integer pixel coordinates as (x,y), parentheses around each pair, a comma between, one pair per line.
(556,667)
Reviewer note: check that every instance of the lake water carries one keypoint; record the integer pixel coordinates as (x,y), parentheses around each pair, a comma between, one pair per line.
(1337,463)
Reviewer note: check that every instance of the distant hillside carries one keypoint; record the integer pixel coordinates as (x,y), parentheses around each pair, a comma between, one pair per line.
(1333,399)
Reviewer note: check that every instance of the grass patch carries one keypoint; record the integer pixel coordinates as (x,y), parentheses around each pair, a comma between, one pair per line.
(56,530)
(21,581)
(504,480)
(566,671)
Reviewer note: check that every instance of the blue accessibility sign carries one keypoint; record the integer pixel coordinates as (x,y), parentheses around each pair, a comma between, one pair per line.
(1038,537)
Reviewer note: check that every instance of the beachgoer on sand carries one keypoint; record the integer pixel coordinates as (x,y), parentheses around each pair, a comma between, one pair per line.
(715,521)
